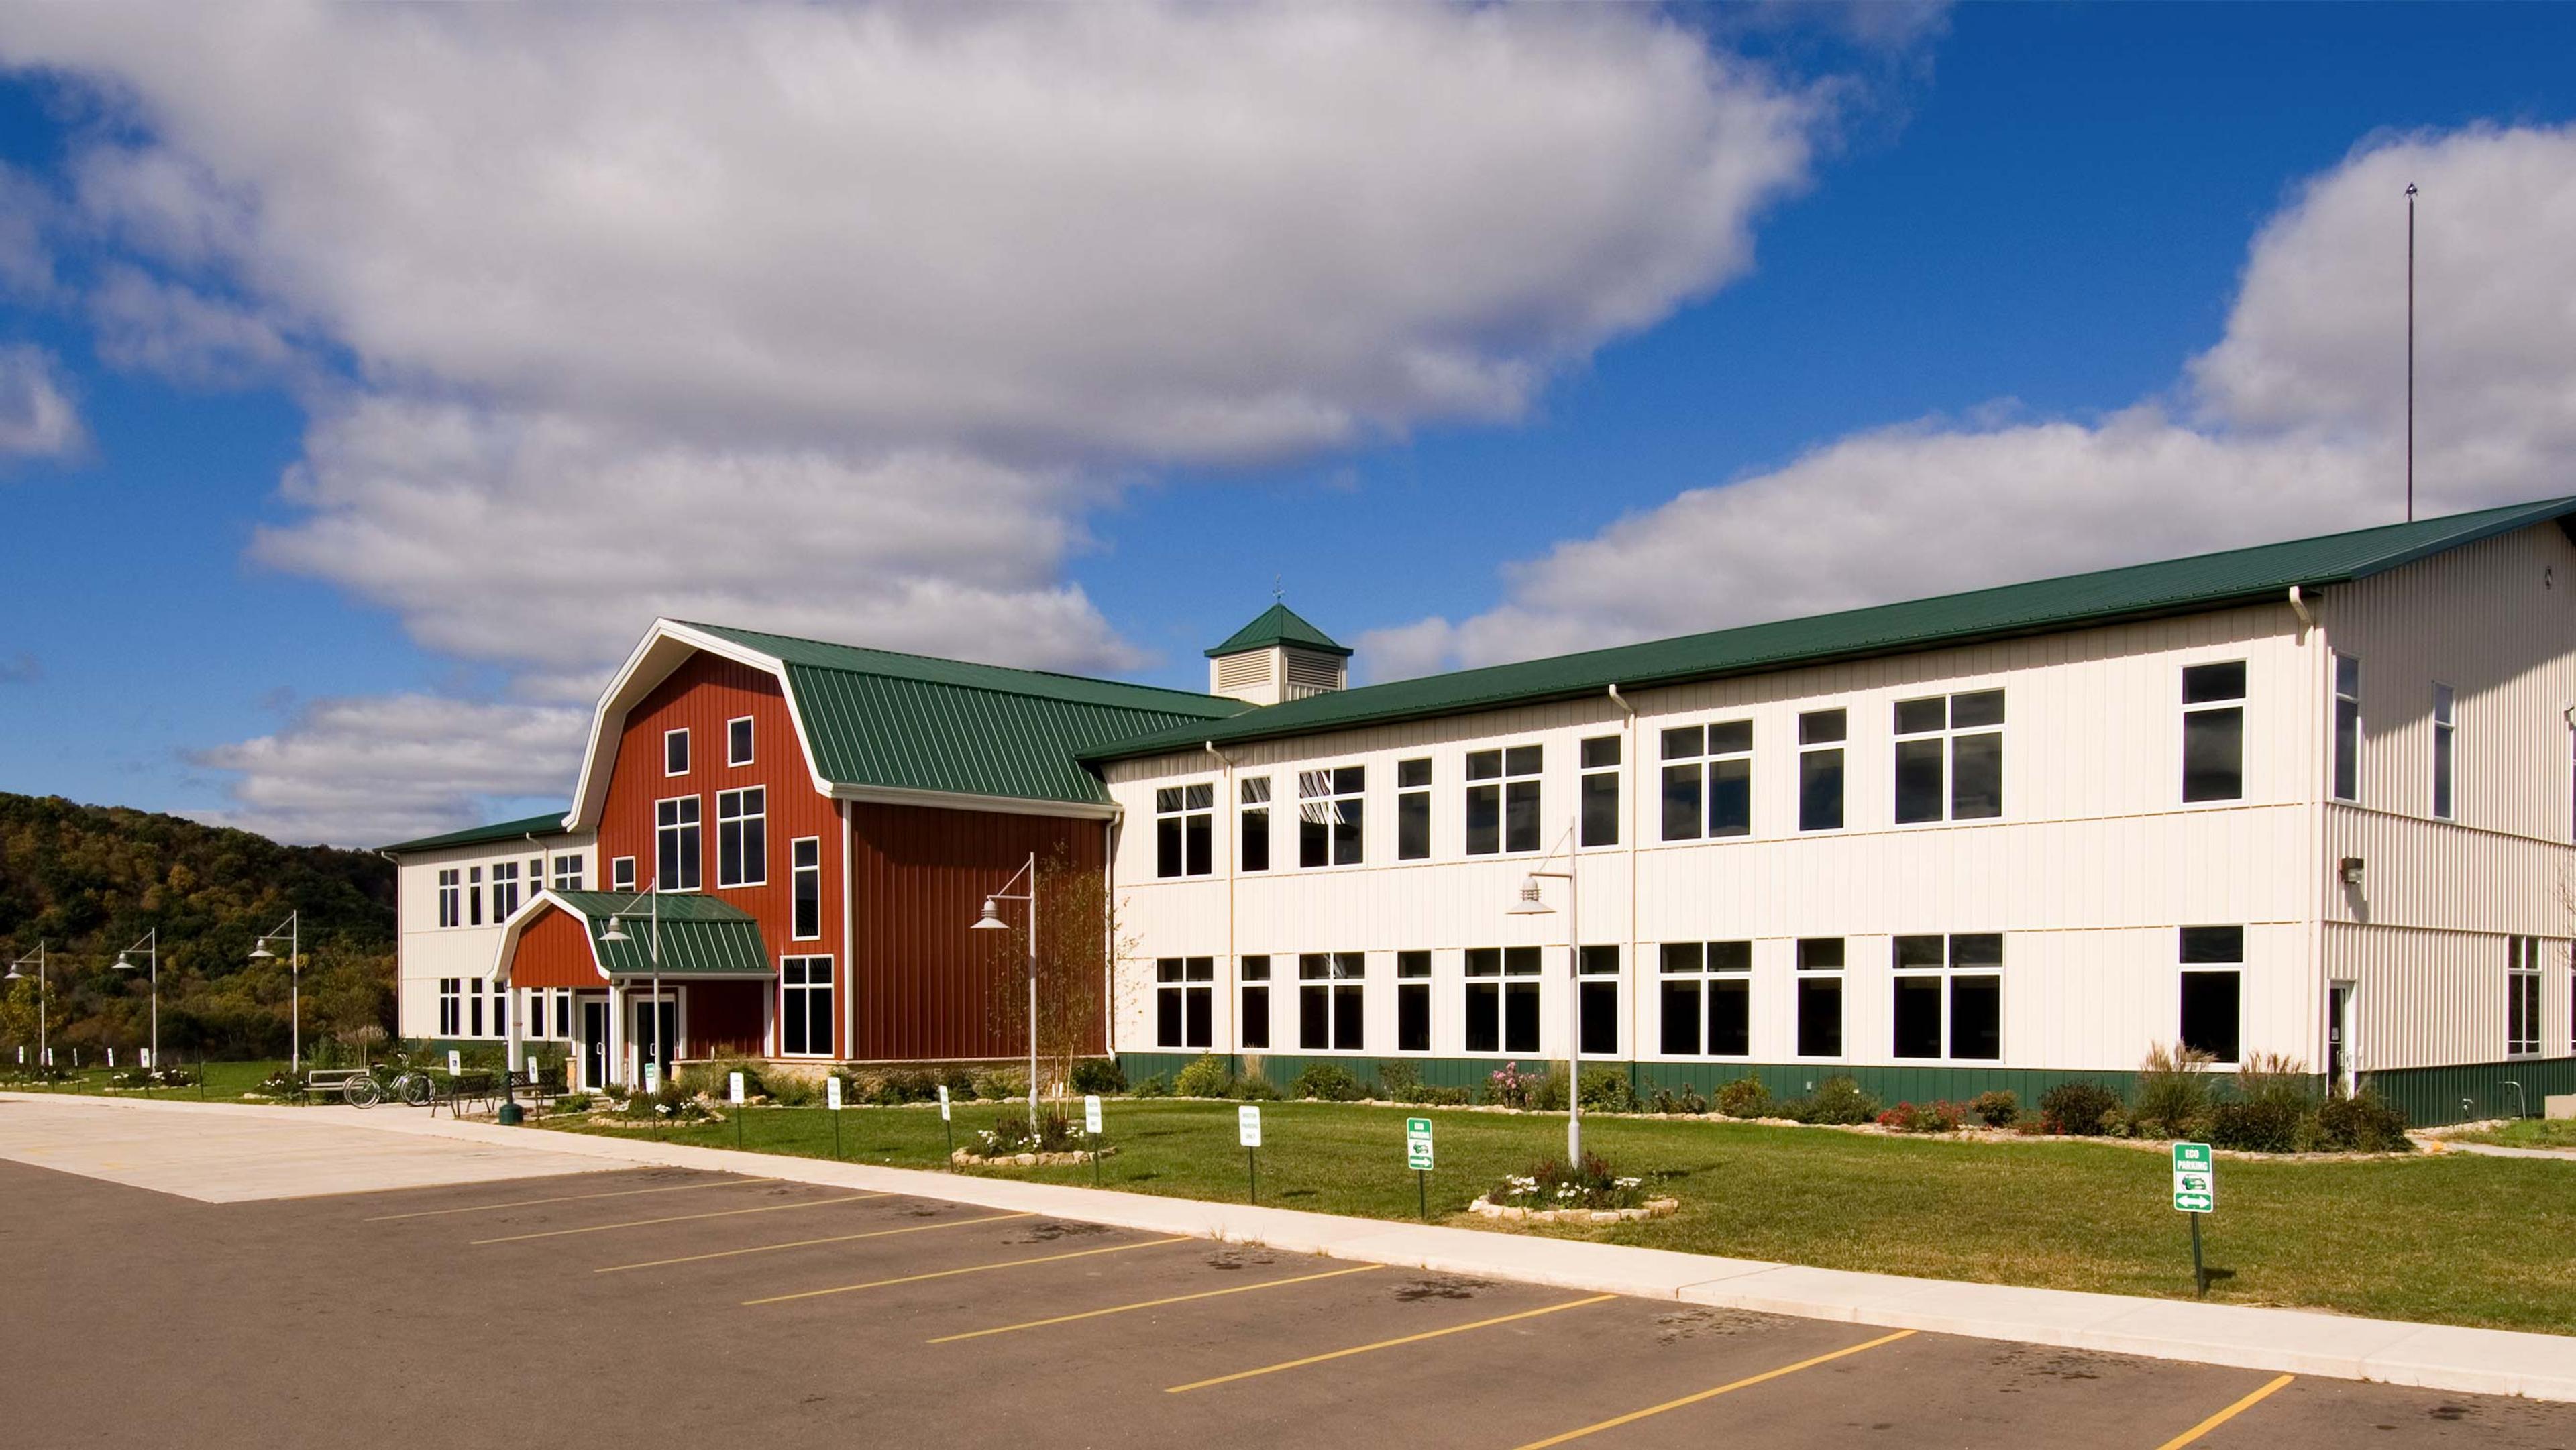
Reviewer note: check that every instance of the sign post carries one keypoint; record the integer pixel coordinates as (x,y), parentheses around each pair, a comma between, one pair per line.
(832,1102)
(2195,1192)
(1417,1156)
(1091,1130)
(1247,1129)
(733,1100)
(948,1125)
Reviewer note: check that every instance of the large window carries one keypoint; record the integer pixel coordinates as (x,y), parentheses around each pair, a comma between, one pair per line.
(1596,1000)
(1950,996)
(1185,830)
(1708,781)
(2213,732)
(505,889)
(1413,810)
(451,898)
(675,844)
(1707,999)
(742,837)
(2347,728)
(1820,770)
(1950,757)
(738,741)
(1413,1001)
(805,1006)
(1502,999)
(2213,960)
(567,873)
(1820,997)
(675,752)
(1331,815)
(2446,704)
(451,1006)
(2522,996)
(1332,1001)
(1601,791)
(1503,800)
(1253,1021)
(805,888)
(1183,989)
(1254,822)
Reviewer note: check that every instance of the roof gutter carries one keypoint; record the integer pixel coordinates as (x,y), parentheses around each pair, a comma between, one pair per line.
(1621,700)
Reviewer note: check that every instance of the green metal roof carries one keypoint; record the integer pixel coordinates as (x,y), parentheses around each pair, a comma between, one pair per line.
(2140,591)
(1278,625)
(701,936)
(549,824)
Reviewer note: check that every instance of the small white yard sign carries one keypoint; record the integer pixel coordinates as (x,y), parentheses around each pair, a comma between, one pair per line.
(1247,1125)
(943,1102)
(733,1088)
(832,1093)
(455,1062)
(1091,1114)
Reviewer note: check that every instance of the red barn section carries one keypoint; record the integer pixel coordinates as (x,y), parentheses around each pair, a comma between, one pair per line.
(554,951)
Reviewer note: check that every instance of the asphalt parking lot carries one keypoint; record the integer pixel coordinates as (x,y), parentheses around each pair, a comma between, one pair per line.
(662,1307)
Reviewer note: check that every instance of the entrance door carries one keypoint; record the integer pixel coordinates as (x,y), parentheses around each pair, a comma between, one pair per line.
(2339,1043)
(594,1044)
(649,1029)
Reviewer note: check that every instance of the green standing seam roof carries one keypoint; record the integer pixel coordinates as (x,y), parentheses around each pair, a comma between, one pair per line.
(1278,624)
(701,936)
(549,824)
(2139,591)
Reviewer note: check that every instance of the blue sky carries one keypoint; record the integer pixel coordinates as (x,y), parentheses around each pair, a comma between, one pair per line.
(2019,215)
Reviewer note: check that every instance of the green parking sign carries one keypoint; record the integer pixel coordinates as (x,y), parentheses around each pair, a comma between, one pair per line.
(2195,1178)
(1417,1144)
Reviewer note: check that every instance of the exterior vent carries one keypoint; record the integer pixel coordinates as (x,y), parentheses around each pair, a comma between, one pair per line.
(1237,673)
(1312,674)
(1277,657)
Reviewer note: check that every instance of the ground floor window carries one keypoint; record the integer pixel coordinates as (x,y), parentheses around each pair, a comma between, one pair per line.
(451,1006)
(1502,999)
(1413,1001)
(474,1011)
(1253,1023)
(1182,989)
(2522,996)
(805,1006)
(1820,996)
(1949,996)
(1596,1000)
(1332,1001)
(1706,999)
(2212,990)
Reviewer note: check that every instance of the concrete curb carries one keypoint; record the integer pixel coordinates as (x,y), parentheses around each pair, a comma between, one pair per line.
(2425,1356)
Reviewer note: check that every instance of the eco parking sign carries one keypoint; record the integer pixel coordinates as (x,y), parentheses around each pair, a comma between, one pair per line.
(1417,1144)
(2195,1178)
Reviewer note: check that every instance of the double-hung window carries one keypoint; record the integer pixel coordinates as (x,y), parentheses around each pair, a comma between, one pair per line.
(805,1006)
(1185,830)
(742,837)
(1254,823)
(1503,799)
(2213,732)
(451,1006)
(1596,1000)
(1332,1001)
(621,874)
(675,844)
(1949,996)
(1950,757)
(1413,810)
(2213,966)
(474,1009)
(2446,705)
(1601,791)
(805,888)
(451,898)
(675,752)
(1707,999)
(2347,728)
(1413,1001)
(567,873)
(738,741)
(1331,815)
(2522,996)
(1252,1023)
(500,1009)
(1183,987)
(1820,770)
(505,889)
(1708,781)
(474,896)
(1820,996)
(1502,999)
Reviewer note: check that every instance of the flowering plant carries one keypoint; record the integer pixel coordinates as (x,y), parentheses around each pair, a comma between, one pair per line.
(1550,1184)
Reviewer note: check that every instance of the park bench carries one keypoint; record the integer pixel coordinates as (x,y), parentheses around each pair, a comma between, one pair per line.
(330,1082)
(490,1089)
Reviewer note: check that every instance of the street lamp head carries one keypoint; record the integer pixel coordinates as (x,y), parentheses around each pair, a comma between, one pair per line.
(990,921)
(15,975)
(1531,903)
(122,964)
(261,953)
(614,933)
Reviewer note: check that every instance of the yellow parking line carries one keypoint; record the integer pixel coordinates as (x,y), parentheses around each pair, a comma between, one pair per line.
(809,1243)
(1245,1374)
(1154,1303)
(969,1269)
(567,1198)
(596,1228)
(1749,1380)
(2225,1415)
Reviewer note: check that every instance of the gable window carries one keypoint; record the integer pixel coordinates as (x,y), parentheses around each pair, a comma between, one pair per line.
(738,748)
(2446,706)
(505,889)
(675,844)
(567,873)
(474,896)
(2347,727)
(1596,1000)
(1950,757)
(1708,781)
(1601,791)
(451,1006)
(1949,996)
(1820,996)
(1820,770)
(1503,800)
(1502,999)
(742,837)
(451,898)
(1182,987)
(1707,985)
(675,752)
(2522,996)
(1330,815)
(1332,1003)
(621,874)
(1185,830)
(805,1006)
(1413,1001)
(2213,960)
(805,888)
(1253,1022)
(1255,827)
(2213,732)
(1413,810)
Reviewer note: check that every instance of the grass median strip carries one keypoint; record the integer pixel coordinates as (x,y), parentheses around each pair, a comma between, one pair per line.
(1245,1374)
(2225,1415)
(1155,1303)
(568,1198)
(601,1228)
(874,1233)
(969,1269)
(1725,1389)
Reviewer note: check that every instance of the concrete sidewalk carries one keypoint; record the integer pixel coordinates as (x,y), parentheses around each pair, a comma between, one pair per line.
(2474,1361)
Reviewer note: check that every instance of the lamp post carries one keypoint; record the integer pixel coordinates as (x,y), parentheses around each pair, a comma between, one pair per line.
(1532,903)
(18,973)
(990,921)
(292,929)
(651,896)
(150,946)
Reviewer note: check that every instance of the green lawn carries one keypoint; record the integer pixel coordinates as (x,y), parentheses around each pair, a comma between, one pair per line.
(225,1081)
(2526,1133)
(2452,1238)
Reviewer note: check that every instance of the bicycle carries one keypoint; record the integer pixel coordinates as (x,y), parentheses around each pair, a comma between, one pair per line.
(411,1086)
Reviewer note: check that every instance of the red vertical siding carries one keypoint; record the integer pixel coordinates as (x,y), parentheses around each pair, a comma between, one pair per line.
(554,951)
(728,1019)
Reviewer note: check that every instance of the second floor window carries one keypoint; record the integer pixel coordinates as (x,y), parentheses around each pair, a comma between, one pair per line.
(1255,824)
(1331,815)
(2213,732)
(505,890)
(1950,757)
(567,873)
(1503,800)
(738,741)
(1820,770)
(1601,791)
(675,752)
(675,844)
(474,896)
(742,837)
(1185,830)
(1708,781)
(451,898)
(805,888)
(2347,728)
(621,874)
(1413,810)
(2446,704)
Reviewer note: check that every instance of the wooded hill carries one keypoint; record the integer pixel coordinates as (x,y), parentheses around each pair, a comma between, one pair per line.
(90,880)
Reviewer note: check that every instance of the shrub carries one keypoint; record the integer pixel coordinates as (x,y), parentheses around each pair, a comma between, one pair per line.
(2265,1125)
(2362,1123)
(1011,1133)
(673,1104)
(1397,1080)
(2174,1094)
(793,1089)
(1547,1093)
(2273,1077)
(959,1082)
(1688,1100)
(1745,1097)
(1996,1107)
(1550,1184)
(1840,1100)
(999,1083)
(1508,1087)
(1445,1097)
(1607,1090)
(1204,1077)
(2077,1108)
(1943,1117)
(1152,1086)
(1329,1081)
(573,1103)
(1255,1090)
(1098,1075)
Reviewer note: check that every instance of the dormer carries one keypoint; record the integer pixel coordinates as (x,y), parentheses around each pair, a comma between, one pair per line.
(1277,657)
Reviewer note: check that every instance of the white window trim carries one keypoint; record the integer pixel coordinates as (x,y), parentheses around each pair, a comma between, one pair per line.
(1798,783)
(1949,735)
(2445,733)
(730,762)
(792,870)
(1297,838)
(1800,972)
(1331,985)
(2334,725)
(1502,785)
(1620,803)
(1182,813)
(629,883)
(832,987)
(1948,970)
(686,749)
(1700,976)
(2522,962)
(2244,706)
(700,825)
(723,820)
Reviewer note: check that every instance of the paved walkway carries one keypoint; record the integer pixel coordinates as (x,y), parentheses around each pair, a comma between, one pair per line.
(2498,1150)
(2477,1361)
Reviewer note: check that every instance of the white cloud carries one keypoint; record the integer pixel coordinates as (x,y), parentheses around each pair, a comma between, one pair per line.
(37,416)
(2293,424)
